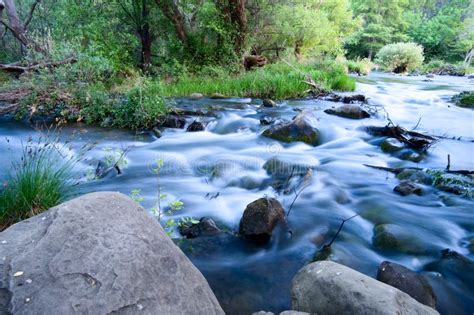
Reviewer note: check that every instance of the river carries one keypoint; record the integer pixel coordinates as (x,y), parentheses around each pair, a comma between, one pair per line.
(217,172)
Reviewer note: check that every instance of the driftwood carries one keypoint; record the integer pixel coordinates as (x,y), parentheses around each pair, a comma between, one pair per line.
(398,170)
(17,68)
(412,139)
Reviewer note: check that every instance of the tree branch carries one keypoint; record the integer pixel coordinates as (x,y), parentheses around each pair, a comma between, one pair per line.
(30,14)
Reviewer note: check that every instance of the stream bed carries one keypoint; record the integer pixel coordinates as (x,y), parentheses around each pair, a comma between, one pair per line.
(217,172)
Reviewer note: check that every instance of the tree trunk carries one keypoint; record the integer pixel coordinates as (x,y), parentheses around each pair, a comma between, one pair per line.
(146,40)
(469,56)
(234,12)
(171,10)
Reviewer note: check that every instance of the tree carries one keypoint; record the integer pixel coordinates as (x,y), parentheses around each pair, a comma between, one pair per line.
(235,15)
(383,23)
(303,26)
(442,27)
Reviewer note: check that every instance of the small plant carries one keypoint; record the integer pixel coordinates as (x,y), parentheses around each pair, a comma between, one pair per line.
(115,157)
(400,57)
(136,196)
(174,205)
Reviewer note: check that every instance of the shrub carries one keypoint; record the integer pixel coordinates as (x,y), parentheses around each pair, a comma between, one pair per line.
(39,180)
(400,57)
(360,66)
(464,99)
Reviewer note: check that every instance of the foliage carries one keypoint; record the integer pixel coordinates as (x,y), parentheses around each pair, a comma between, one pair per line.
(382,23)
(443,30)
(39,180)
(360,66)
(400,57)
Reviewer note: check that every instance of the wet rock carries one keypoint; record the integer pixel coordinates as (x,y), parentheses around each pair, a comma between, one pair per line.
(217,96)
(406,188)
(174,121)
(408,281)
(299,129)
(156,132)
(269,103)
(470,77)
(196,126)
(205,227)
(348,111)
(325,287)
(100,253)
(265,121)
(260,218)
(396,238)
(293,313)
(196,96)
(263,313)
(391,145)
(430,75)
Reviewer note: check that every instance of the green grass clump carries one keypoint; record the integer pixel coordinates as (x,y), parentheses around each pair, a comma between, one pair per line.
(39,180)
(277,81)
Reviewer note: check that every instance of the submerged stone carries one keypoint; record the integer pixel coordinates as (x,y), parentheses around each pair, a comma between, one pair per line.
(396,238)
(299,129)
(392,145)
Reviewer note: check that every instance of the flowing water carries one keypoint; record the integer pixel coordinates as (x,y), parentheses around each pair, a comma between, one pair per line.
(217,172)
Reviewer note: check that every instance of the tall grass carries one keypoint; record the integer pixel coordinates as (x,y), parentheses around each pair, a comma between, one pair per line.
(40,179)
(278,81)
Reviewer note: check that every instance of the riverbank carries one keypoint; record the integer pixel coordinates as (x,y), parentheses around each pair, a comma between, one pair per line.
(135,102)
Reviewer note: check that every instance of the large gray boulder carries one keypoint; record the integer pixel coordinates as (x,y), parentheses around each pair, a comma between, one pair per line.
(325,287)
(98,254)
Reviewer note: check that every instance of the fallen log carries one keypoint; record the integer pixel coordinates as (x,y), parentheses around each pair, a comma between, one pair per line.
(18,69)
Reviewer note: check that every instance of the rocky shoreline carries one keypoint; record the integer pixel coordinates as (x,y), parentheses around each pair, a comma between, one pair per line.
(103,253)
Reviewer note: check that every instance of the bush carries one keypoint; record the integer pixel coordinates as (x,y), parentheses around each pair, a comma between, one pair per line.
(39,180)
(400,57)
(360,66)
(464,99)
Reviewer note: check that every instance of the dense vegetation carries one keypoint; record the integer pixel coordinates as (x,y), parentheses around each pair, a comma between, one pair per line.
(103,61)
